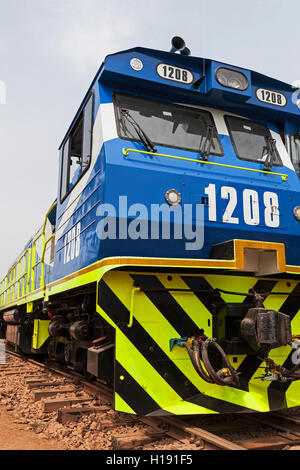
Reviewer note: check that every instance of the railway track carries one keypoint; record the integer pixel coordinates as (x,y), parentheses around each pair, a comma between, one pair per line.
(65,404)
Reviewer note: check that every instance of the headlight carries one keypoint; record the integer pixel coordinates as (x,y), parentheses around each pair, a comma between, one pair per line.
(297,212)
(232,79)
(173,197)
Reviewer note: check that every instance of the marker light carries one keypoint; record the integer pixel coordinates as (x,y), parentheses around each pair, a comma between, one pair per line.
(173,197)
(136,64)
(232,79)
(297,212)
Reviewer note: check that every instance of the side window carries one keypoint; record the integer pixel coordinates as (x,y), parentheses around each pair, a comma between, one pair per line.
(252,141)
(77,149)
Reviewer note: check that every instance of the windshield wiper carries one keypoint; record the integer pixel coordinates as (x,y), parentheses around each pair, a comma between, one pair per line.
(270,148)
(141,134)
(205,152)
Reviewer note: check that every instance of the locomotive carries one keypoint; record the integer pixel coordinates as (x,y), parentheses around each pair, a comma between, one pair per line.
(168,266)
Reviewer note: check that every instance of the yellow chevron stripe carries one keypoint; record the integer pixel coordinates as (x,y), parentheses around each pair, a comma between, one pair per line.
(148,378)
(146,314)
(276,301)
(189,302)
(293,393)
(237,284)
(121,405)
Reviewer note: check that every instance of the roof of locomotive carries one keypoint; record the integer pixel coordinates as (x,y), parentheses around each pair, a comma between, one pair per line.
(195,60)
(186,61)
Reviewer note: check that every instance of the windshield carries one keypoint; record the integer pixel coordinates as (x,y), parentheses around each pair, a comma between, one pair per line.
(167,124)
(251,140)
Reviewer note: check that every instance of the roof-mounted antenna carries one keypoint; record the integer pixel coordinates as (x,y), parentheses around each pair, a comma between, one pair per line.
(178,44)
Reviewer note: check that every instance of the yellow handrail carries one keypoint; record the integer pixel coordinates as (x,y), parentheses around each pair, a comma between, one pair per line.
(153,154)
(7,284)
(10,284)
(41,261)
(134,290)
(43,258)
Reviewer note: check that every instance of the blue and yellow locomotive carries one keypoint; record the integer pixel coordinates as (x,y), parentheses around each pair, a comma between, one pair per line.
(169,264)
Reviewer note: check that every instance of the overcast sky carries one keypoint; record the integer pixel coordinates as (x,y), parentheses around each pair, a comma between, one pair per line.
(50,51)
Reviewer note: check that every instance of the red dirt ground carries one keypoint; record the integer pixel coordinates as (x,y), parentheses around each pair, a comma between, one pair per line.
(15,437)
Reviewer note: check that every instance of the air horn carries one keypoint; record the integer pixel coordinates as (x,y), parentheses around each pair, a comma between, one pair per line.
(178,44)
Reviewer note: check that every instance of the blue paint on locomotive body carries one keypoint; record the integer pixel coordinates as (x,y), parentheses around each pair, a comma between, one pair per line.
(144,179)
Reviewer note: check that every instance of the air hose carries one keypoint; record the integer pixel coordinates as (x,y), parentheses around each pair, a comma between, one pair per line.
(199,351)
(195,359)
(223,376)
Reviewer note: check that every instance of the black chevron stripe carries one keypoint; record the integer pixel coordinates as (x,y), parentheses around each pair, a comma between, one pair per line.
(291,305)
(166,304)
(132,393)
(277,390)
(247,369)
(145,344)
(197,284)
(262,286)
(219,405)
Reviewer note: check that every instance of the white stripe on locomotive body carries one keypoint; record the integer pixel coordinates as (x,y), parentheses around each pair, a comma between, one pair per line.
(285,158)
(97,142)
(109,126)
(217,114)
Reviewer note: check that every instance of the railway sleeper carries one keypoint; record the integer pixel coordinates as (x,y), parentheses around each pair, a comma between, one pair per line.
(39,394)
(57,404)
(45,384)
(267,443)
(34,379)
(65,415)
(136,440)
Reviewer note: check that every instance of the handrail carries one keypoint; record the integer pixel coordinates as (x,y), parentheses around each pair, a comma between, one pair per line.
(134,290)
(126,151)
(11,281)
(41,261)
(7,279)
(43,258)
